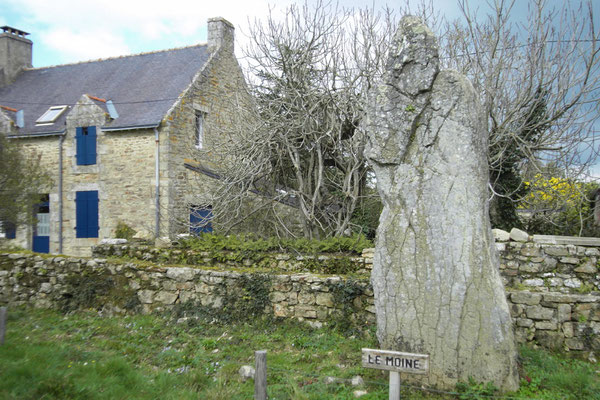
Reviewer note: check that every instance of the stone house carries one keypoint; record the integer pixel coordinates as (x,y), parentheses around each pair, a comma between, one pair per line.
(115,135)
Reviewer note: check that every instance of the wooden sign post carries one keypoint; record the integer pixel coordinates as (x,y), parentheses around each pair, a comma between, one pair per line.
(395,362)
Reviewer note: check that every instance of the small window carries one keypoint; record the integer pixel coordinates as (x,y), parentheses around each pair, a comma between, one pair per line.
(201,220)
(8,230)
(200,129)
(51,115)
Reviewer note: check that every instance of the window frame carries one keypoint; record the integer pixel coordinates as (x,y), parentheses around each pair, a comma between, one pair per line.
(199,123)
(50,115)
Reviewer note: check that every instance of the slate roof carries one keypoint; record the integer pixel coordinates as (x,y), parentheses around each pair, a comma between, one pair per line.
(143,87)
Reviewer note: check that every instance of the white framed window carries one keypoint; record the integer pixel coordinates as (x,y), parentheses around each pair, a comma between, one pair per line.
(200,117)
(51,115)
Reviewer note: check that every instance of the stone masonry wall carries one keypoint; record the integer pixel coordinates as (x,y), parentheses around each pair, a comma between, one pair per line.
(558,317)
(115,287)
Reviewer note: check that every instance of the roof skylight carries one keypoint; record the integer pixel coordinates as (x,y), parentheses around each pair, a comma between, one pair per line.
(51,115)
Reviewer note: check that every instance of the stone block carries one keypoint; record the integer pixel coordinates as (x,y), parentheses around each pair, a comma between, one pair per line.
(549,263)
(305,312)
(306,298)
(521,335)
(546,325)
(530,268)
(530,251)
(203,288)
(528,298)
(567,329)
(46,287)
(166,297)
(556,251)
(536,282)
(575,344)
(146,296)
(325,299)
(524,322)
(573,283)
(516,310)
(186,296)
(277,297)
(500,235)
(564,313)
(559,298)
(569,260)
(281,311)
(587,268)
(184,286)
(518,235)
(181,274)
(539,313)
(550,340)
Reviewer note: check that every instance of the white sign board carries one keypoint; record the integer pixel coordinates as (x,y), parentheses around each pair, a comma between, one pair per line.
(395,361)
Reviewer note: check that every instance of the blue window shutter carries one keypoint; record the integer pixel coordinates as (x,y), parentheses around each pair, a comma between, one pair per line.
(91,146)
(81,145)
(86,145)
(86,210)
(10,230)
(200,220)
(93,213)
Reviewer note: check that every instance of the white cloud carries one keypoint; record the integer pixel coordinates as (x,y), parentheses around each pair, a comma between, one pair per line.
(86,45)
(75,30)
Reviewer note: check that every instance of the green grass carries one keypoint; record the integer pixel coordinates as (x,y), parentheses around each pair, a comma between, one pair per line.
(48,355)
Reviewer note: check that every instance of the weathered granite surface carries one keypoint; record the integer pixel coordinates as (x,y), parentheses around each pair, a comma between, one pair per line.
(435,271)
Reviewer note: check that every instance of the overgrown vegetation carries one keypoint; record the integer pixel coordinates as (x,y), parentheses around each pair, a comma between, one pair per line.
(83,356)
(22,179)
(124,231)
(249,244)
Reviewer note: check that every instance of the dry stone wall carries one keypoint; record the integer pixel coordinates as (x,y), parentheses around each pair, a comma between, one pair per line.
(563,316)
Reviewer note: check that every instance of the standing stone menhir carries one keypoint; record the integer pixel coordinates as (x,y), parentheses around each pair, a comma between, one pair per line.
(435,273)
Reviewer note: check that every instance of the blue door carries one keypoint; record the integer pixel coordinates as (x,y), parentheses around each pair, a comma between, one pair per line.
(200,220)
(41,231)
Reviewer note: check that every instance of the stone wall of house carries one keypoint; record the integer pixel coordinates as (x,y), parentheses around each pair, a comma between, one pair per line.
(220,93)
(124,176)
(47,150)
(559,317)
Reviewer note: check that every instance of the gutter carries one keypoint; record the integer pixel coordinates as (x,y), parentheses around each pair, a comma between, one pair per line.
(30,135)
(130,127)
(60,193)
(157,184)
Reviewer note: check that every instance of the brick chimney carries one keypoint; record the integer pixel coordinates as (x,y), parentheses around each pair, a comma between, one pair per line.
(15,54)
(220,34)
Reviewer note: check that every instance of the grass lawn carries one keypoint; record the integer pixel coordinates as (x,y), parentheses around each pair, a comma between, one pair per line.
(49,355)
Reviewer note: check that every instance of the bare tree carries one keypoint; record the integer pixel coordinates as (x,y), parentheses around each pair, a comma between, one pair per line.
(310,71)
(308,74)
(20,180)
(539,82)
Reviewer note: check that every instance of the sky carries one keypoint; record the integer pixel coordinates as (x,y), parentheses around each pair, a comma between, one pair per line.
(67,31)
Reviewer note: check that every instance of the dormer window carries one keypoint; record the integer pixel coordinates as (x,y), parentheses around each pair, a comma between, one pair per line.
(51,115)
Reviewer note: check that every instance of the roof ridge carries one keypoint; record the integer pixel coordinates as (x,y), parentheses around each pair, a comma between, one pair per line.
(117,57)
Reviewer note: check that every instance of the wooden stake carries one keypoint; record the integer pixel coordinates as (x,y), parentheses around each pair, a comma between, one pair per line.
(2,324)
(260,375)
(394,385)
